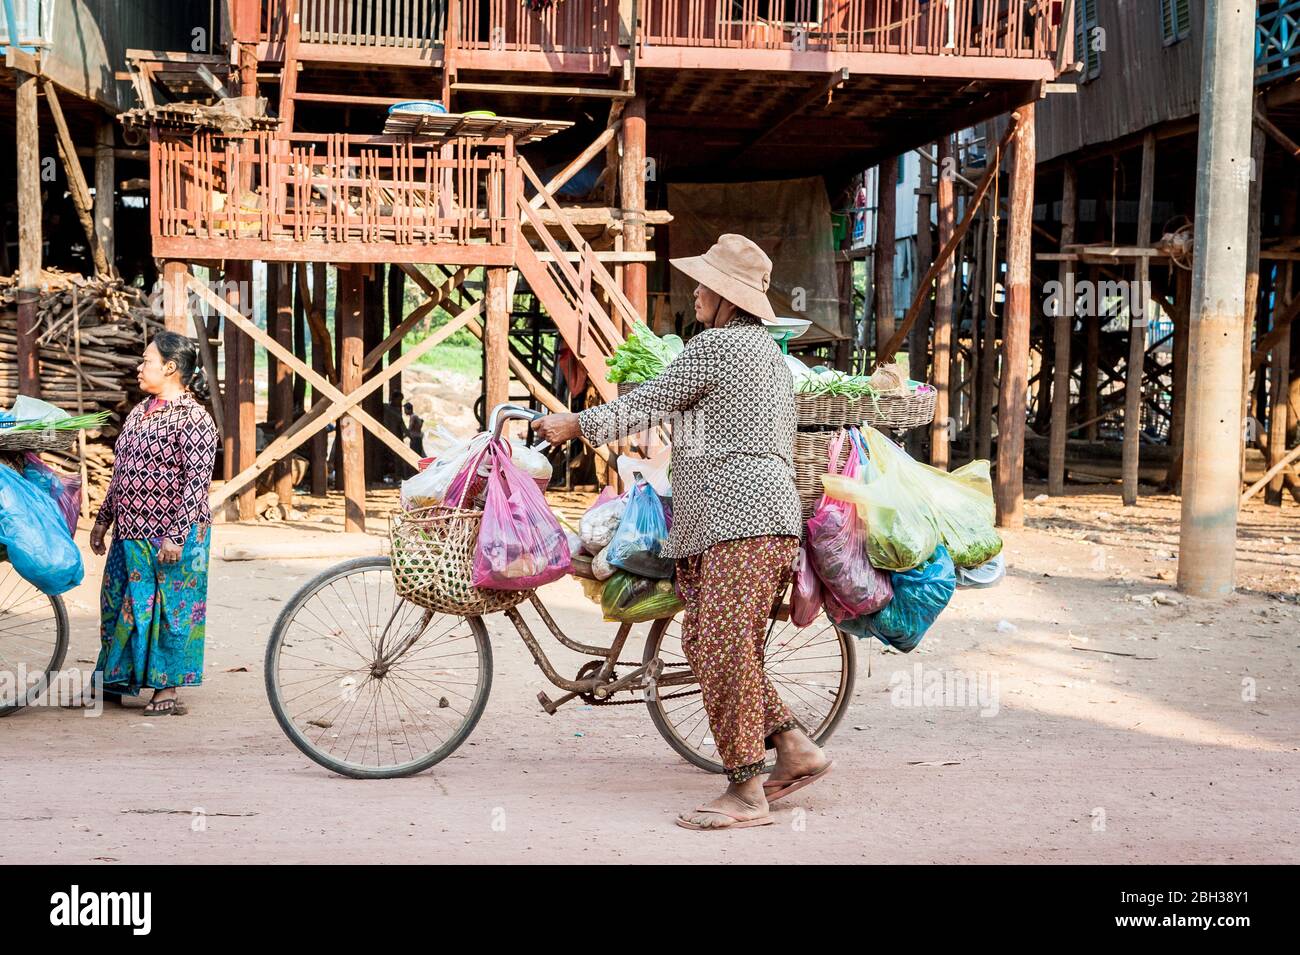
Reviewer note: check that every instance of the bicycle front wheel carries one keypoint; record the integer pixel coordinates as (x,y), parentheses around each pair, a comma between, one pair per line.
(812,668)
(33,640)
(369,685)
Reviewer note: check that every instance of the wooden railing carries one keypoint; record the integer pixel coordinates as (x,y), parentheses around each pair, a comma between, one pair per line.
(1002,28)
(337,189)
(385,23)
(1277,40)
(570,26)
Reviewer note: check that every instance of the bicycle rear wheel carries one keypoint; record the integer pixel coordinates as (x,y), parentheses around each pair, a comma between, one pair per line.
(369,685)
(812,668)
(33,640)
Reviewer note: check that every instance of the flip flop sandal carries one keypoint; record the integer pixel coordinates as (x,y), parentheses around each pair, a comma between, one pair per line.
(164,708)
(736,821)
(775,789)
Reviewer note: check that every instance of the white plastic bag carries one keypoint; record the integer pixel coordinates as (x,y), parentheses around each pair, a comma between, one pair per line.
(430,486)
(597,526)
(654,469)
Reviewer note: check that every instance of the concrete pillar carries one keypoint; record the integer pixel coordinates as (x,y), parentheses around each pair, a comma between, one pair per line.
(1211,478)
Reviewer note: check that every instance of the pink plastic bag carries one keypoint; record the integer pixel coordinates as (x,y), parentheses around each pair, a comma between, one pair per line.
(837,546)
(467,482)
(806,603)
(521,545)
(64,488)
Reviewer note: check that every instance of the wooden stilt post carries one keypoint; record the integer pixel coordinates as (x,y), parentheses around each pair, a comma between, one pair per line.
(176,317)
(989,345)
(1063,322)
(282,384)
(918,339)
(1137,334)
(883,259)
(1092,364)
(105,188)
(372,306)
(496,364)
(1251,295)
(320,467)
(241,427)
(942,430)
(1178,412)
(351,337)
(977,371)
(632,186)
(1279,372)
(299,337)
(396,312)
(1009,486)
(27,136)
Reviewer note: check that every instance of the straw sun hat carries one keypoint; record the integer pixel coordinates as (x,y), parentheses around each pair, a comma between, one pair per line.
(738,270)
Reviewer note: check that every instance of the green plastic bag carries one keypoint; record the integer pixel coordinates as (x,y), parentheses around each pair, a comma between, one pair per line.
(960,503)
(900,532)
(628,598)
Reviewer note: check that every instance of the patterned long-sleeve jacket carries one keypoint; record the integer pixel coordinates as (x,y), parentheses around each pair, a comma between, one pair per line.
(162,470)
(730,399)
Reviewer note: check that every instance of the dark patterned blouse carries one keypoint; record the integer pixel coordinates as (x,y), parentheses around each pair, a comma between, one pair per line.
(161,472)
(729,398)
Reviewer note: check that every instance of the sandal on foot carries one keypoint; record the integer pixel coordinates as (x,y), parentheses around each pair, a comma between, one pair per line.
(171,707)
(736,821)
(775,789)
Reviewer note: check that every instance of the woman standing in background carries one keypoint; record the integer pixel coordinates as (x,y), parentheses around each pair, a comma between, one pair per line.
(153,604)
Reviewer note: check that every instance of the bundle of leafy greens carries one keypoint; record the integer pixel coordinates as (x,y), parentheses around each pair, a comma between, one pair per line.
(74,423)
(643,356)
(827,381)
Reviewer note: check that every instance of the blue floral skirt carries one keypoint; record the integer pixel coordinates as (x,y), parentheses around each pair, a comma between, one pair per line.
(153,615)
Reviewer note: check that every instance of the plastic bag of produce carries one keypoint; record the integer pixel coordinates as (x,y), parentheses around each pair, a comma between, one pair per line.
(837,547)
(960,503)
(900,531)
(641,535)
(920,595)
(429,487)
(600,566)
(521,545)
(65,489)
(806,601)
(628,598)
(35,535)
(598,526)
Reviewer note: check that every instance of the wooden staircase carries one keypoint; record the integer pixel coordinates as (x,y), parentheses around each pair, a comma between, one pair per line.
(567,288)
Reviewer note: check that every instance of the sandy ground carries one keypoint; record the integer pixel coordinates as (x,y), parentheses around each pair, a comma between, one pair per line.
(1119,729)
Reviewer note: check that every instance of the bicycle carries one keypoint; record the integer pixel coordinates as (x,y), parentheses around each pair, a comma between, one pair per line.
(372,686)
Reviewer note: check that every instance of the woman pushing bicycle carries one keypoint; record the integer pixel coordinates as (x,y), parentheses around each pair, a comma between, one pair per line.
(736,519)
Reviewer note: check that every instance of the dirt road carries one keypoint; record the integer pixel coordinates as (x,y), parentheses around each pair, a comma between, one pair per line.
(1113,728)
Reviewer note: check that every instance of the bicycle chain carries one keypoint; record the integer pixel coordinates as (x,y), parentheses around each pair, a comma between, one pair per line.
(671,696)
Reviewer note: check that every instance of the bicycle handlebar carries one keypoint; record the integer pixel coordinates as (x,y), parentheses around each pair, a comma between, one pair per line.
(508,412)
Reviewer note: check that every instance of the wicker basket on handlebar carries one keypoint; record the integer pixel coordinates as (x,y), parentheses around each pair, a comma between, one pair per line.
(433,562)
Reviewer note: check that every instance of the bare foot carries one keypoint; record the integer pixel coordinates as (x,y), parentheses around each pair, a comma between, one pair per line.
(741,802)
(796,756)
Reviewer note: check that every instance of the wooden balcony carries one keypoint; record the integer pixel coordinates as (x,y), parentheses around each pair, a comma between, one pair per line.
(987,39)
(332,198)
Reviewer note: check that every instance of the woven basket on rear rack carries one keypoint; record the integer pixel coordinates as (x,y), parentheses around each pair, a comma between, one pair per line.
(433,562)
(886,412)
(811,454)
(626,386)
(45,440)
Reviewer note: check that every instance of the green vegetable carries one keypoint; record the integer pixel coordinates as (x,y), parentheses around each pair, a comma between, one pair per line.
(826,381)
(74,423)
(643,356)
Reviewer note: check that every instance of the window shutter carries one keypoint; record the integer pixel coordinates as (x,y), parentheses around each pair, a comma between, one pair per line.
(1085,20)
(1182,9)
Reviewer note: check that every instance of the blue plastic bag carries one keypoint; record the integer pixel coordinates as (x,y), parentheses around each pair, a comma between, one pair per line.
(920,595)
(641,535)
(35,536)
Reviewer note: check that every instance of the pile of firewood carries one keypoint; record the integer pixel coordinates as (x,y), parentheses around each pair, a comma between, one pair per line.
(91,332)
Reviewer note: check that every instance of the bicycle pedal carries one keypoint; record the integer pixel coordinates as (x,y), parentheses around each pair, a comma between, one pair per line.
(547,704)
